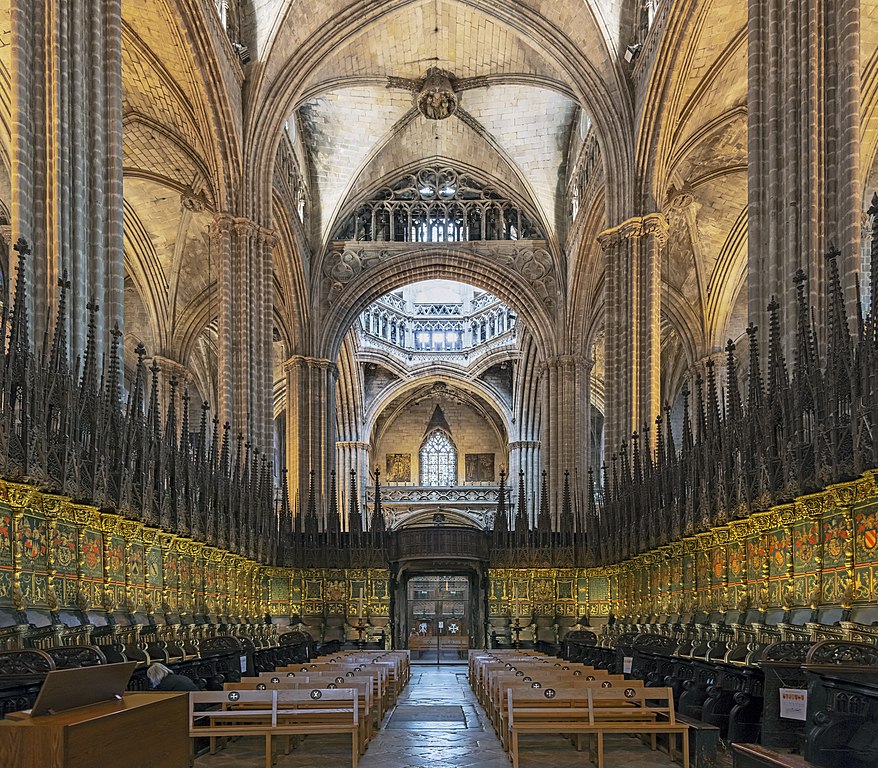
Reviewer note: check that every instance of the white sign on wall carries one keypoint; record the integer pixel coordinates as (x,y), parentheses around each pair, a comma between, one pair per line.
(627,663)
(793,703)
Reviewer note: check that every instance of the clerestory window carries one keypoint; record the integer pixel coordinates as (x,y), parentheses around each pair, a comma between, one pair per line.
(438,460)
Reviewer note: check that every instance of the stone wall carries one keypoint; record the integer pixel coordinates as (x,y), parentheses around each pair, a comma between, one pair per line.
(470,431)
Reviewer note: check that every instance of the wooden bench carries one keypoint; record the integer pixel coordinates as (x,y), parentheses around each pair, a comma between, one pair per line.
(502,682)
(378,672)
(594,711)
(566,684)
(308,682)
(275,713)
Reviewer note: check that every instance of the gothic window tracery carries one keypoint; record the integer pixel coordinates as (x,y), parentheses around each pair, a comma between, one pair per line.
(438,460)
(438,205)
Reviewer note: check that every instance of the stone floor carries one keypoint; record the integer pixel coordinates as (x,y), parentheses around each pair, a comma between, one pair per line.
(436,724)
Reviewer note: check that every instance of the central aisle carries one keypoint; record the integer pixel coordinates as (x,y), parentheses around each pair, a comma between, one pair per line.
(436,723)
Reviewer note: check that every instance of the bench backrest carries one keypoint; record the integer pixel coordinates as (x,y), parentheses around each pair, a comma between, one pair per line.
(625,702)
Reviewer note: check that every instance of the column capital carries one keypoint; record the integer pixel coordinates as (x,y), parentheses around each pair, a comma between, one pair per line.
(655,224)
(221,225)
(568,362)
(302,361)
(353,444)
(516,444)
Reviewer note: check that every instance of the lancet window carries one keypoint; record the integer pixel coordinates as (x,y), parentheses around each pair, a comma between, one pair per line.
(438,460)
(438,205)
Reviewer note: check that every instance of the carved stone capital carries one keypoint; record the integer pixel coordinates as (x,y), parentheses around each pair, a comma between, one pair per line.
(298,362)
(221,226)
(652,224)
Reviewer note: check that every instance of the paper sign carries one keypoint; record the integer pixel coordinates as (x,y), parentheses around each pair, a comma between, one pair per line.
(627,662)
(793,703)
(243,664)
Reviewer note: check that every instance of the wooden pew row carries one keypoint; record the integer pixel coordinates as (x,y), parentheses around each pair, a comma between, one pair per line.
(403,657)
(527,673)
(276,713)
(330,680)
(363,687)
(481,664)
(380,677)
(500,684)
(594,711)
(396,667)
(528,667)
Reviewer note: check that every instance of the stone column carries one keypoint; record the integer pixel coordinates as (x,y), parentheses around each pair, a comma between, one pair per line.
(803,109)
(632,325)
(351,454)
(311,425)
(67,159)
(565,390)
(524,455)
(242,251)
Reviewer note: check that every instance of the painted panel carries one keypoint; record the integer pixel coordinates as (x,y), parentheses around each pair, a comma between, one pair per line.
(34,544)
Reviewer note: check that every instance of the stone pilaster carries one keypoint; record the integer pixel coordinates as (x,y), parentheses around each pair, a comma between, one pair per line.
(803,106)
(311,427)
(67,160)
(632,325)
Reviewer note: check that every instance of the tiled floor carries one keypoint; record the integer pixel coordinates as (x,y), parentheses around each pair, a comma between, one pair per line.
(454,734)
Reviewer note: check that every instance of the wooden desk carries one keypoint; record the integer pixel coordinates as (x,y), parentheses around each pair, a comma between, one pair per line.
(144,730)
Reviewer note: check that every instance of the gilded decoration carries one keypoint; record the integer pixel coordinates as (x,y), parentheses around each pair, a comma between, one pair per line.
(816,551)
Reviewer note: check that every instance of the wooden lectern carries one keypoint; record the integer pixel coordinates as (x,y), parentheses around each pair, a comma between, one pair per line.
(143,730)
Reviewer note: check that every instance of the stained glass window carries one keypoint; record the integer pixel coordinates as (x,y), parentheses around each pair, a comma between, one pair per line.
(438,460)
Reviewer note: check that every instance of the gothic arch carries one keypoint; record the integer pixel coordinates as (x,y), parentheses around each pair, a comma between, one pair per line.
(598,80)
(451,263)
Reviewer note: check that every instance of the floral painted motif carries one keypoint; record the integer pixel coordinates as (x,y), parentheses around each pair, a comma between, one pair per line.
(736,560)
(777,550)
(544,589)
(719,563)
(135,563)
(5,538)
(335,591)
(756,557)
(116,558)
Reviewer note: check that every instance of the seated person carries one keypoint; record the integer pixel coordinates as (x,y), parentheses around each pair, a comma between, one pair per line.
(162,679)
